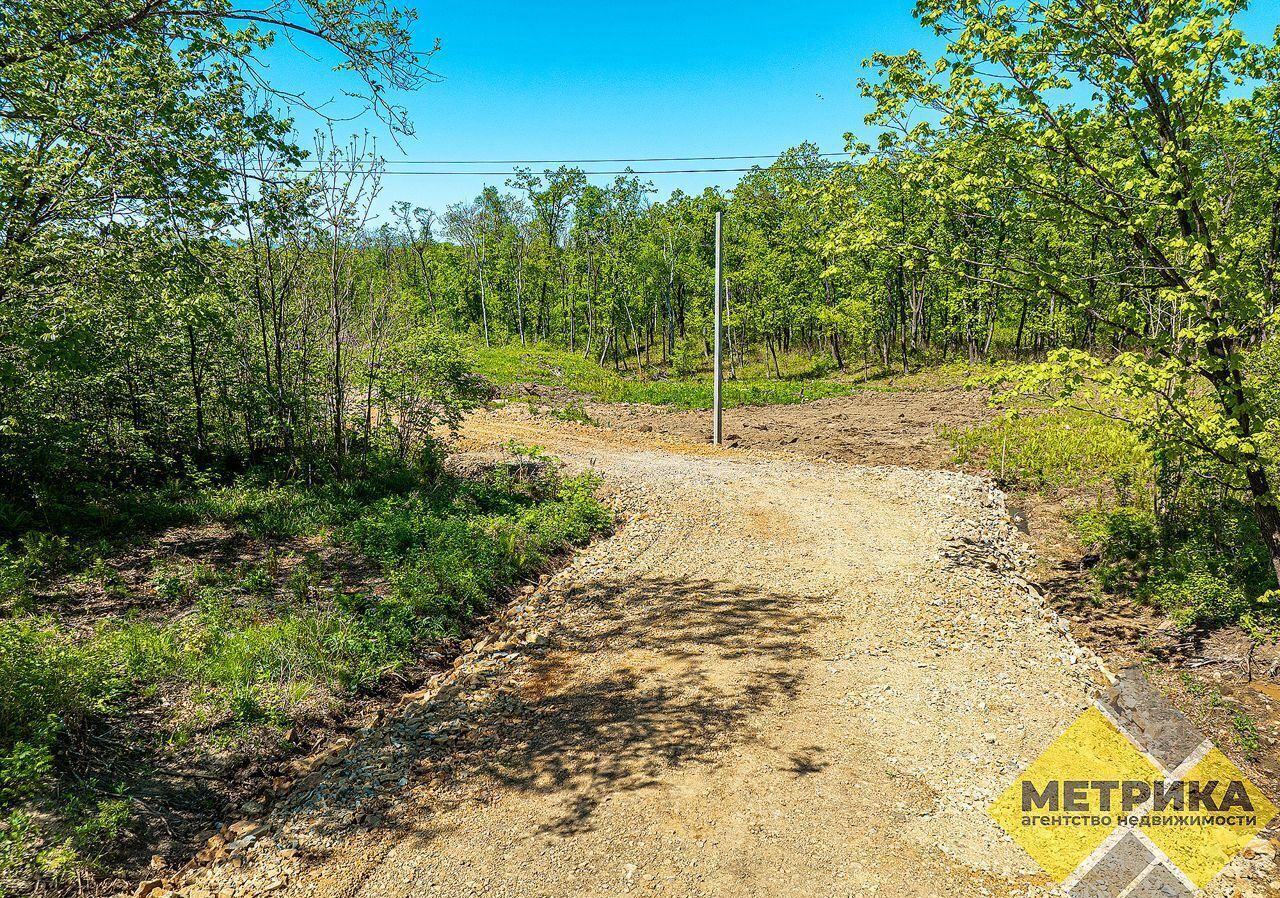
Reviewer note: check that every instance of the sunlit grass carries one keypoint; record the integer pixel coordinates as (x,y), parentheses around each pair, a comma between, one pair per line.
(802,380)
(245,644)
(1058,449)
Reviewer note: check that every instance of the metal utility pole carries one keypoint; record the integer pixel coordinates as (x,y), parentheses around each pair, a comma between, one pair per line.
(718,374)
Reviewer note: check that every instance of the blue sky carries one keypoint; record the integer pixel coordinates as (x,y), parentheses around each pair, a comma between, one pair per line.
(578,80)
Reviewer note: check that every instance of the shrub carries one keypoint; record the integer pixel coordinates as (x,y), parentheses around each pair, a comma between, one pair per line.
(575,412)
(1127,541)
(444,546)
(1168,530)
(1198,598)
(46,678)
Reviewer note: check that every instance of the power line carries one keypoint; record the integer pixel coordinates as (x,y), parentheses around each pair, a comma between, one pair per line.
(364,167)
(370,169)
(494,174)
(592,161)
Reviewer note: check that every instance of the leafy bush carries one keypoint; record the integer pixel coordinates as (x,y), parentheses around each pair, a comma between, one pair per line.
(1198,598)
(690,355)
(250,650)
(49,682)
(576,413)
(35,555)
(1127,541)
(1200,559)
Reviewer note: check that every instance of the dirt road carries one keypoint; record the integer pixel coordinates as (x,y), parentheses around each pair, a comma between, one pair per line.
(781,677)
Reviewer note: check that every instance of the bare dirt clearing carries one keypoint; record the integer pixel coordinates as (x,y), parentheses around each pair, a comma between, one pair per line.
(872,427)
(780,677)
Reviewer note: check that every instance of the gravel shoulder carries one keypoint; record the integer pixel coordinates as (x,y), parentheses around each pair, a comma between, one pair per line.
(781,676)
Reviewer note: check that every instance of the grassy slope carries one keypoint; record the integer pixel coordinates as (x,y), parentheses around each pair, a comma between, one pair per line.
(802,379)
(226,649)
(1201,561)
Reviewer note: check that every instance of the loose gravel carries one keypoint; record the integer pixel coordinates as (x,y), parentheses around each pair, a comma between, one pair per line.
(780,677)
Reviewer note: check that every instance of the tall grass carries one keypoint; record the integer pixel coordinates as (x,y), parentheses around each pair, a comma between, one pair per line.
(1062,450)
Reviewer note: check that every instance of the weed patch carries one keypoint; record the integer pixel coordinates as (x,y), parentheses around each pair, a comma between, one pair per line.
(249,645)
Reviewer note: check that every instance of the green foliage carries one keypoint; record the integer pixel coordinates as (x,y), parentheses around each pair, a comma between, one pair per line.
(194,329)
(689,356)
(1247,732)
(1128,542)
(575,412)
(1061,450)
(126,314)
(508,365)
(50,683)
(1189,573)
(27,764)
(1200,559)
(259,642)
(1121,202)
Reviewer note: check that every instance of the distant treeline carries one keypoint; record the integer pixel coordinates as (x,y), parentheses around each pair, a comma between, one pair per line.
(1094,188)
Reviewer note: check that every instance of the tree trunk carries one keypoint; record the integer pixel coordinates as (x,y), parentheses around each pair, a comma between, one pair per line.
(1022,324)
(1268,516)
(339,393)
(198,389)
(484,308)
(519,296)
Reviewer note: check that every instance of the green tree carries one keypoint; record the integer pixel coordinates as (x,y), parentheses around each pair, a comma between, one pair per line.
(1143,124)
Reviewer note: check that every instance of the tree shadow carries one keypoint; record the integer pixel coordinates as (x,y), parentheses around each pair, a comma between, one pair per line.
(1116,623)
(808,761)
(644,676)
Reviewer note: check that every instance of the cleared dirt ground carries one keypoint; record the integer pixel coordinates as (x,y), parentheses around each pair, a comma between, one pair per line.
(873,427)
(780,677)
(783,676)
(1223,679)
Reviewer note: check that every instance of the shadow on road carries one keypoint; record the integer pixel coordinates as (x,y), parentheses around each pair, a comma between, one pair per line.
(643,676)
